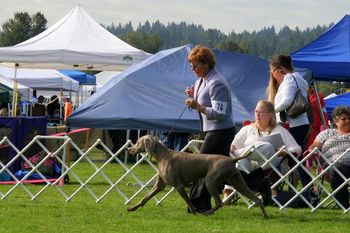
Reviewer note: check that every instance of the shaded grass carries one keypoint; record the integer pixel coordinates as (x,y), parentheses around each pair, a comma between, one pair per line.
(50,212)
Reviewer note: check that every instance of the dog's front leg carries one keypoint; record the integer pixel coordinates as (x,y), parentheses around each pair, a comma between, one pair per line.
(181,190)
(159,186)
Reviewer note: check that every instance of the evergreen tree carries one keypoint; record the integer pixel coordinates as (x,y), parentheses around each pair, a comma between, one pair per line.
(21,27)
(38,24)
(230,45)
(148,42)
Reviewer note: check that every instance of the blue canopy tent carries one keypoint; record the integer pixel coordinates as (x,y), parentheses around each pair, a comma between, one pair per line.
(150,94)
(82,77)
(338,100)
(328,56)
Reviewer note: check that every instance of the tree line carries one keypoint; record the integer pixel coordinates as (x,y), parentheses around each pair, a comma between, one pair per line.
(264,43)
(156,36)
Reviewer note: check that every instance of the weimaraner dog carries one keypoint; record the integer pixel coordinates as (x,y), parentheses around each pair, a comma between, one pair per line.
(179,169)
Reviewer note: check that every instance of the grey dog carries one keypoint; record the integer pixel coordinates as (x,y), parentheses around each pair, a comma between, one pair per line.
(179,169)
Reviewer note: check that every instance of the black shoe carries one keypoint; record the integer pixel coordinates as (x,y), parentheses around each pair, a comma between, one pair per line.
(266,191)
(201,210)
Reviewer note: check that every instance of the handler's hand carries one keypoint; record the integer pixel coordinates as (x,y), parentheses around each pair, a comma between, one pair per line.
(191,103)
(189,91)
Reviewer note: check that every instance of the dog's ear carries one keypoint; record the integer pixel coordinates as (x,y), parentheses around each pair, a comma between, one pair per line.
(149,144)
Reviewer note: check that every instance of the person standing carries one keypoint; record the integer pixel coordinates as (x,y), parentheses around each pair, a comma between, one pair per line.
(175,140)
(317,123)
(53,109)
(283,85)
(211,97)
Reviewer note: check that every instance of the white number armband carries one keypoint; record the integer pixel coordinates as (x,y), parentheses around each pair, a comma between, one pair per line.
(219,106)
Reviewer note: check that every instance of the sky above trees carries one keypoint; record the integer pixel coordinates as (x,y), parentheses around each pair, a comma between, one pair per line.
(225,15)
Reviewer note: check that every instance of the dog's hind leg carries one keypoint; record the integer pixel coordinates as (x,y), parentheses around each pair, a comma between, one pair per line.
(159,186)
(239,184)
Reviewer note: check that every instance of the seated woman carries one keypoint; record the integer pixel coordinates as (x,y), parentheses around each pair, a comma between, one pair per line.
(333,143)
(251,168)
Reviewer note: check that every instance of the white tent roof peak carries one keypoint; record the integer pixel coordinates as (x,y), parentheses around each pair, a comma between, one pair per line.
(79,28)
(76,41)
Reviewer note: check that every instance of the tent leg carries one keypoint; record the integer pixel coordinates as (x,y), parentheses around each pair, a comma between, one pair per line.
(14,95)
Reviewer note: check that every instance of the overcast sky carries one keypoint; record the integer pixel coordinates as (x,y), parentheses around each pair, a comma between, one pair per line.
(225,15)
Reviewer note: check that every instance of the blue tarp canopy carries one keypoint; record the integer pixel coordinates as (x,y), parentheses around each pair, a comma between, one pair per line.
(151,94)
(338,100)
(329,55)
(82,77)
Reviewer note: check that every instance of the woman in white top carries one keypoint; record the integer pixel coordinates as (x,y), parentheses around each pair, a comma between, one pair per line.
(283,85)
(282,88)
(252,169)
(265,124)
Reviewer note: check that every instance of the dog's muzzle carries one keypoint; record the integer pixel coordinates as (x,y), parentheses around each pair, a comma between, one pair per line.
(130,150)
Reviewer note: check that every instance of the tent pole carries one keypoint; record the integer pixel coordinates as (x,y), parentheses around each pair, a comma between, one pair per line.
(60,102)
(77,97)
(126,151)
(82,93)
(14,95)
(319,104)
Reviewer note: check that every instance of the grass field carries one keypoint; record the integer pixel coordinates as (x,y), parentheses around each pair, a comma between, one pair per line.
(51,213)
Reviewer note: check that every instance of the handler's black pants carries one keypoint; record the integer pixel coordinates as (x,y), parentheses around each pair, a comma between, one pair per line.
(299,133)
(215,142)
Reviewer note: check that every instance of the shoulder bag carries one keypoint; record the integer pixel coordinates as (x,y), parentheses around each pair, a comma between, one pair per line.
(300,104)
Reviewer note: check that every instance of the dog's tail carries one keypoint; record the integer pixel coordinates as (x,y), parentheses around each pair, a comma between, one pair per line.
(244,155)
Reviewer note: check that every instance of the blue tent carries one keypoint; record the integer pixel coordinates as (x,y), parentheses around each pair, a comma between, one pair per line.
(333,102)
(329,55)
(82,77)
(150,95)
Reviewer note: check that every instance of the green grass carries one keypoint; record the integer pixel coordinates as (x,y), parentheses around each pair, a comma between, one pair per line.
(51,213)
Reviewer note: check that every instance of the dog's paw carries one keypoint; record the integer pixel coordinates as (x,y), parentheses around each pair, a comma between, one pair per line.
(132,208)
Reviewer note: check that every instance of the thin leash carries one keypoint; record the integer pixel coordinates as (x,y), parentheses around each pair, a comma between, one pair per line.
(172,128)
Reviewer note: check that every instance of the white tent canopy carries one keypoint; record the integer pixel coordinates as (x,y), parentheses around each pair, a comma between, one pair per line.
(103,77)
(24,91)
(40,79)
(76,41)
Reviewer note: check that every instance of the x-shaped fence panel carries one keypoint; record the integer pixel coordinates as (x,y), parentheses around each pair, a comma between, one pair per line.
(82,183)
(316,177)
(130,183)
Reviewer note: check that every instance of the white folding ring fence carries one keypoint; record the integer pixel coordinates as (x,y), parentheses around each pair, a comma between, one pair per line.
(111,177)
